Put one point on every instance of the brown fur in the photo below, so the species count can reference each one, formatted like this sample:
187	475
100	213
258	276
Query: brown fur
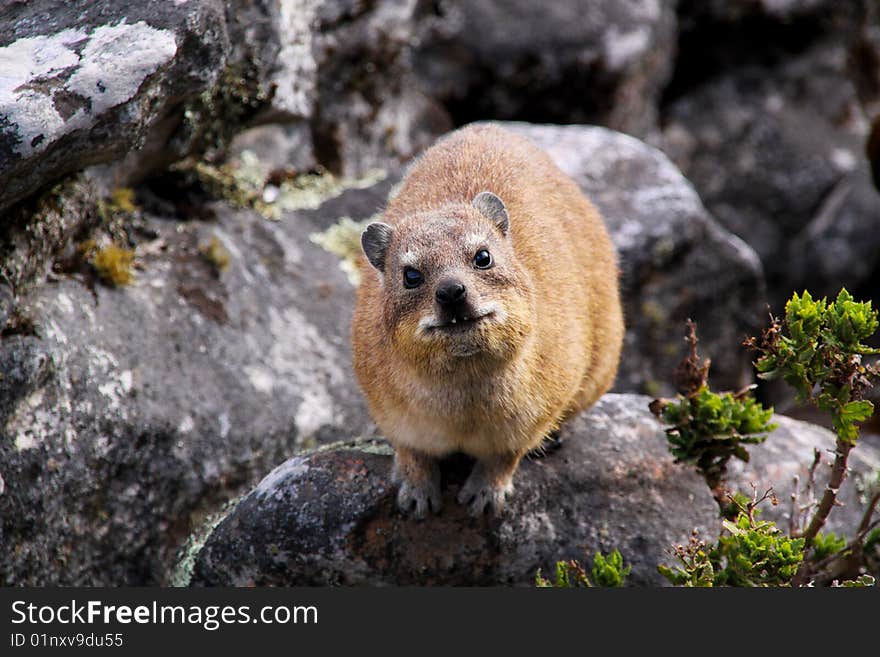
553	350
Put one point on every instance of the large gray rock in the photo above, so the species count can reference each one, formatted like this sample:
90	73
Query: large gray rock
775	12
86	82
567	61
328	517
767	115
142	84
126	413
34	232
340	72
369	107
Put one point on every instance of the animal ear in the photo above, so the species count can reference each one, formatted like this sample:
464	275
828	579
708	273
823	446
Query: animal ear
375	240
492	207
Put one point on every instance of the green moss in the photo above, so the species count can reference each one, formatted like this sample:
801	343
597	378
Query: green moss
122	200
308	191
221	112
375	446
189	551
227	182
216	254
114	265
115	212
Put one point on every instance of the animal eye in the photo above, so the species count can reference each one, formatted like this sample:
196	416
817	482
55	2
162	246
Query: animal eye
412	277
483	259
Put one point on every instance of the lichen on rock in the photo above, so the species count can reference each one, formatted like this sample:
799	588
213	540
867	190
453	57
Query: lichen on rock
343	239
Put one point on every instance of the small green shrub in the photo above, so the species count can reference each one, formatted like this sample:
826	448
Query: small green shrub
749	553
826	545
607	571
708	428
821	356
817	349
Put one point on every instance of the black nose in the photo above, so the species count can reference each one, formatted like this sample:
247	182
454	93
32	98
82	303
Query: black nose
450	292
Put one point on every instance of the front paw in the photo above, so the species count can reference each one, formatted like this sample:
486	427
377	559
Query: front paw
419	479
480	494
419	498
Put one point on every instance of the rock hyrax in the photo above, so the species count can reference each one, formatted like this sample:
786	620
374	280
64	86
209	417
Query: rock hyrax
488	312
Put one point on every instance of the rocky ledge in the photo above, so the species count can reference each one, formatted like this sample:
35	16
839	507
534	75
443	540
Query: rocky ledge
328	517
129	413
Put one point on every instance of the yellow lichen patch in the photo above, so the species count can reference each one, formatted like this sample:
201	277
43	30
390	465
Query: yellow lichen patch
122	200
343	239
114	265
215	253
246	182
308	191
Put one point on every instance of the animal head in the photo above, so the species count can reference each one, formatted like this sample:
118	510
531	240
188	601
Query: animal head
451	284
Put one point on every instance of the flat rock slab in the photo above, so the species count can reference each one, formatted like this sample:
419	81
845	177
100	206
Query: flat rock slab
328	517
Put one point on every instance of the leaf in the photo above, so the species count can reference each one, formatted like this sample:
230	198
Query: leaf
732	528
857	411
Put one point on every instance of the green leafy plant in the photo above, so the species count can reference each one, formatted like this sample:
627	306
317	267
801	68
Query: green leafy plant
696	567
708	428
826	545
749	553
569	575
817	349
607	571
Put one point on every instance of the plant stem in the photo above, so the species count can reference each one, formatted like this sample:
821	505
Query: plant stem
845	562
715	481
829	497
720	494
869	512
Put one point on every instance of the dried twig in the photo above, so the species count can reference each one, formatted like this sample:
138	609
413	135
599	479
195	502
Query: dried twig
691	373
